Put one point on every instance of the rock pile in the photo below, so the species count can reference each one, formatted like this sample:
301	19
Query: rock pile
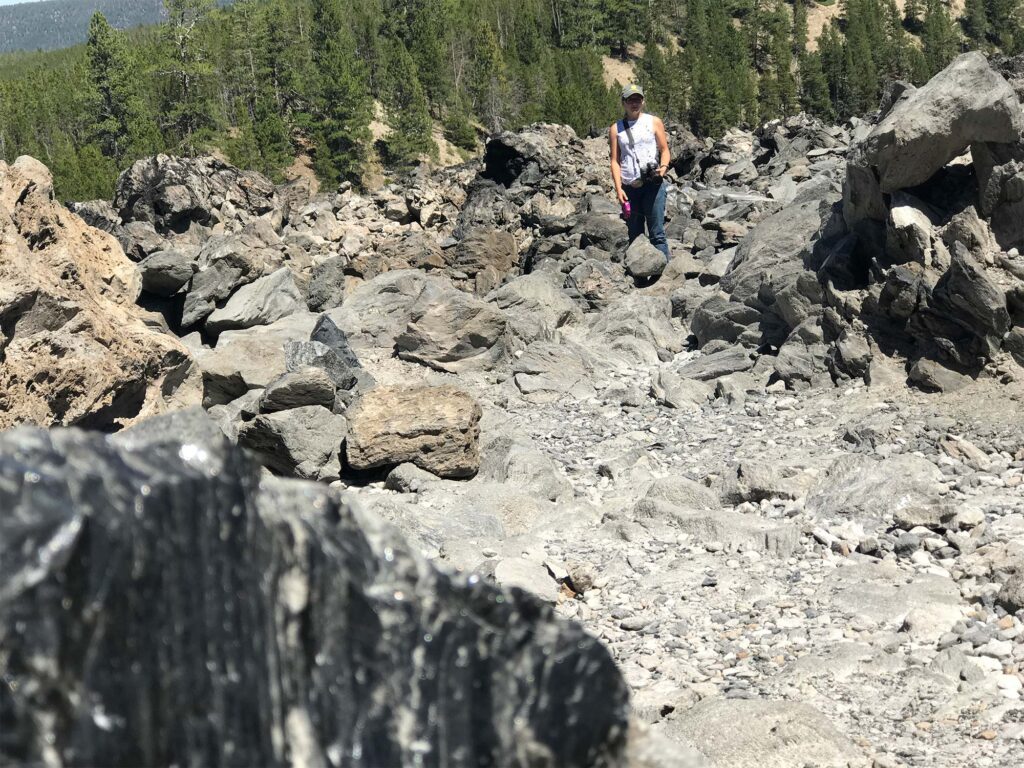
716	467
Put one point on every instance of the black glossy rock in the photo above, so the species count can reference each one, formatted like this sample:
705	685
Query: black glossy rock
160	606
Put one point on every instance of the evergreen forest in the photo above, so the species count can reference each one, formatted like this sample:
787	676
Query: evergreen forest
265	80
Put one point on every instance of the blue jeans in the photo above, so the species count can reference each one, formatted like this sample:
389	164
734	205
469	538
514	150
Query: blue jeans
648	207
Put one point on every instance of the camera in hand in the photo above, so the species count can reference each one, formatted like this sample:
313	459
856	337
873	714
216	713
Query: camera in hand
650	173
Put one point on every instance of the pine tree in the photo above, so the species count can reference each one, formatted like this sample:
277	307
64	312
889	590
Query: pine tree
814	92
575	23
342	103
429	27
975	22
799	27
120	123
407	110
186	106
488	84
938	37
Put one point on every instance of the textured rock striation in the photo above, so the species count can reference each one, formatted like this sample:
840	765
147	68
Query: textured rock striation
160	605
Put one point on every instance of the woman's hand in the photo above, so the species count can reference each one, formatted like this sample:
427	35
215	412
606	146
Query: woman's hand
662	170
621	194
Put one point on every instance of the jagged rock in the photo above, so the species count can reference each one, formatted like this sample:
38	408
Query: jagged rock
933	377
598	283
327	285
536	150
305	386
535	305
164	273
303	442
173	192
735	531
168	529
486	256
643	260
764	734
435	428
967	294
546	371
637	328
967	103
863	487
674	391
377	311
262	302
903	292
416	250
850	357
225	263
457	333
777	251
968	228
74	349
250	358
603	231
725	320
909	231
801	361
711	366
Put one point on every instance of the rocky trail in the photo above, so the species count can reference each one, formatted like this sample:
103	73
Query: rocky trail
780	479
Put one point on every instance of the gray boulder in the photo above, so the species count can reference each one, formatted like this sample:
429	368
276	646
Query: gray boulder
725	320
597	283
302	442
967	103
872	489
456	333
164	273
379	310
535	305
716	364
547	370
249	358
305	605
305	386
260	303
638	329
672	390
733	733
643	261
485	256
327	285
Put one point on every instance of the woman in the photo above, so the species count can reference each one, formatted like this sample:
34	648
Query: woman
640	160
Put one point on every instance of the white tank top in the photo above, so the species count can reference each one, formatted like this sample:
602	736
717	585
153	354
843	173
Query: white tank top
633	159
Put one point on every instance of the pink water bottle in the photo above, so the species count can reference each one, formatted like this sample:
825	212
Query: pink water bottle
627	209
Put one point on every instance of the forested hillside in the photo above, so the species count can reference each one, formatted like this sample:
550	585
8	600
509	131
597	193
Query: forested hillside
265	79
60	23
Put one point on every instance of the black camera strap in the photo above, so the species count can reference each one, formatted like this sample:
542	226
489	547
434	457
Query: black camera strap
629	133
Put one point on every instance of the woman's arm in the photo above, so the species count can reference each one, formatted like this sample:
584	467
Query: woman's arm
613	141
662	140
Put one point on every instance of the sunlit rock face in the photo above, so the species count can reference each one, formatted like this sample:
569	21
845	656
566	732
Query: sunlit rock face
162	604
